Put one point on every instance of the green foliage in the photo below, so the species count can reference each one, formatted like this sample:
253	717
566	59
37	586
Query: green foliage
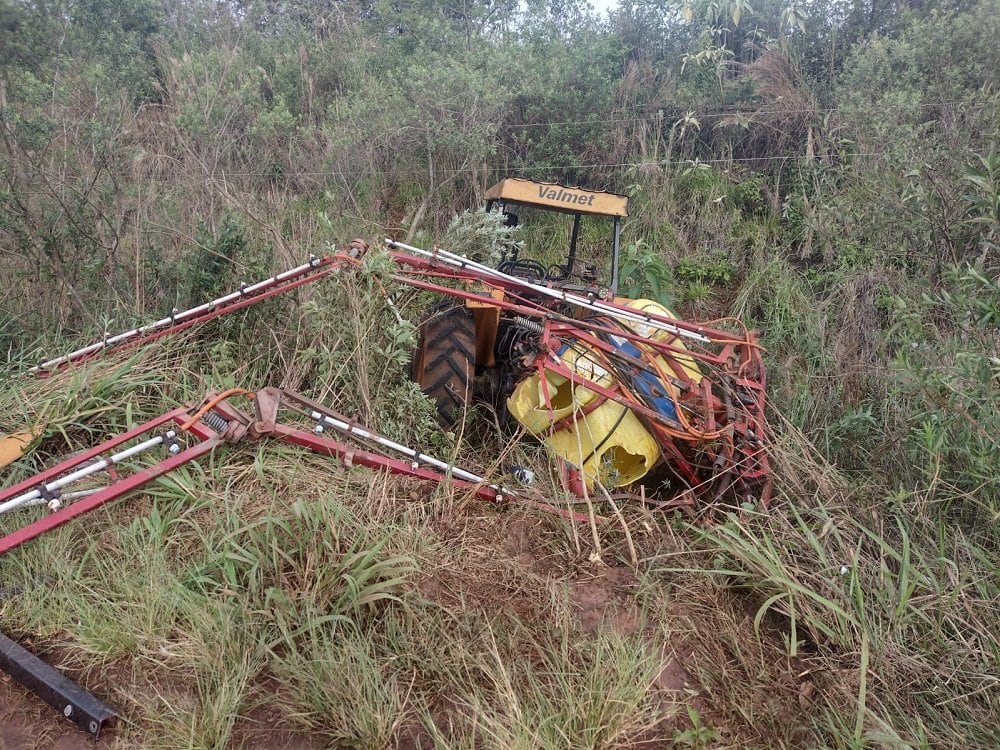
748	197
643	274
983	178
482	236
559	84
208	270
934	59
698	735
301	572
698	181
826	172
121	35
866	582
594	698
948	369
712	270
356	351
364	710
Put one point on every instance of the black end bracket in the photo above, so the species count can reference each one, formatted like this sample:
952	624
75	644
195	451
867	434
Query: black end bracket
64	695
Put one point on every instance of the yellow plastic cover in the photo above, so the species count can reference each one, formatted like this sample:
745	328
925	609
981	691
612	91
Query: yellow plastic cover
658	334
609	444
12	447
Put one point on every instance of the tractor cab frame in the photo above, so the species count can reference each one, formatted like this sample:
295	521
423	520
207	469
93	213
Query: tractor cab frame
511	193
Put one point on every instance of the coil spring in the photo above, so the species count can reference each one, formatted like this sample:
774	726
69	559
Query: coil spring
528	324
216	422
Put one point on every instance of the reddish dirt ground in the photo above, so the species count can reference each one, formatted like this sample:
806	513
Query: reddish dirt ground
600	597
26	723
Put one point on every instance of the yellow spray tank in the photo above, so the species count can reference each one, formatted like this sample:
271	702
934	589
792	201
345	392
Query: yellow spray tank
603	438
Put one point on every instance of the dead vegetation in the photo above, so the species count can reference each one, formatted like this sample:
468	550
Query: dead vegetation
835	186
266	597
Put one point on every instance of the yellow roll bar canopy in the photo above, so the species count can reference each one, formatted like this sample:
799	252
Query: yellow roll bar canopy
557	197
576	201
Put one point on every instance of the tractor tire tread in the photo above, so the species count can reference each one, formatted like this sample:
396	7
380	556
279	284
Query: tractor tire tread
445	363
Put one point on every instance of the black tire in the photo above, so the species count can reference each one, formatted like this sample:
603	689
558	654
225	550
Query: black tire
444	363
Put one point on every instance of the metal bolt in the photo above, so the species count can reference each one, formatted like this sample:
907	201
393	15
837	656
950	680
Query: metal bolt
318	429
68	711
415	465
174	449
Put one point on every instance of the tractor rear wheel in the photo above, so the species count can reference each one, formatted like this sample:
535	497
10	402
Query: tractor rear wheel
444	363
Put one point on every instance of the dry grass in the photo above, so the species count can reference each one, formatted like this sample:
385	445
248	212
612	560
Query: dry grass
266	597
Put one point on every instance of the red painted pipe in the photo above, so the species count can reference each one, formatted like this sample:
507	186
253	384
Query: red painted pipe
91	453
327	447
106	495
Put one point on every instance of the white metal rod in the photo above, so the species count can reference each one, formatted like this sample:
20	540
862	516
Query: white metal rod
86	471
179	317
458	261
575	299
420	458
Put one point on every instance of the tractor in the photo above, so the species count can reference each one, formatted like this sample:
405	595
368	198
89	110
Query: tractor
469	351
614	387
617	389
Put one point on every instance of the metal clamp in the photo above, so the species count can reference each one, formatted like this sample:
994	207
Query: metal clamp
52	498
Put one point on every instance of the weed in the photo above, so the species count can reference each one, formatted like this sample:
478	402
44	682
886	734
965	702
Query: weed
698	735
644	275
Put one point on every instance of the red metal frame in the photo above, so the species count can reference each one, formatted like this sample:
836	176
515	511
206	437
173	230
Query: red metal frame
428	267
324	267
207	442
196	320
91	453
351	455
736	360
715	422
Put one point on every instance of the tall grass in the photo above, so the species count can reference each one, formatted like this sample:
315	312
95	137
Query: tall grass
369	611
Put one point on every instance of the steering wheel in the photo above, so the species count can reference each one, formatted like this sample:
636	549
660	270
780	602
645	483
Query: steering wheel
523	268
